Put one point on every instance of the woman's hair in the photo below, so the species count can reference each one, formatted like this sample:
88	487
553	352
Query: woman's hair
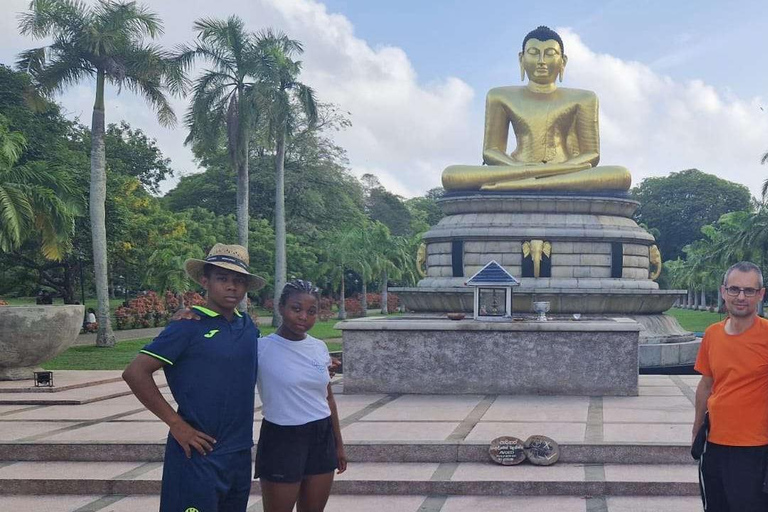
298	286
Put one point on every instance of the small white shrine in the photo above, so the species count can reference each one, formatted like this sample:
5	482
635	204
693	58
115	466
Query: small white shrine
493	292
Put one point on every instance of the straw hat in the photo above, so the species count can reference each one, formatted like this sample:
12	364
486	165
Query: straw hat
230	257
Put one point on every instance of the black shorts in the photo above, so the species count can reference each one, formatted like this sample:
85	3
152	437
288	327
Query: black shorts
731	478
287	454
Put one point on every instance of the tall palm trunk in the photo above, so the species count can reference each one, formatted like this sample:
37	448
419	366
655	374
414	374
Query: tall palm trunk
98	196
342	303
384	297
280	257
242	201
364	300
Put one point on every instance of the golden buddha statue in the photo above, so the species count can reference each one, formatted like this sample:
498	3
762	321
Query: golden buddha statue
556	129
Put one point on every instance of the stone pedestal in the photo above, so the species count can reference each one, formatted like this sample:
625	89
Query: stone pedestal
32	335
600	259
435	356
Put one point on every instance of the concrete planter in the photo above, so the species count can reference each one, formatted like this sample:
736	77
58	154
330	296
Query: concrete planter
32	335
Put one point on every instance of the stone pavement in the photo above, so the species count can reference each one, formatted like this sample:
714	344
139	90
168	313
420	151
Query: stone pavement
93	447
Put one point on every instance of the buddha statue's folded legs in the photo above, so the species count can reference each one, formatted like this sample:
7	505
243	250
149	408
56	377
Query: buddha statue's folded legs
500	177
609	177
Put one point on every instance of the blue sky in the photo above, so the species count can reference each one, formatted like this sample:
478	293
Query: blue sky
681	84
710	40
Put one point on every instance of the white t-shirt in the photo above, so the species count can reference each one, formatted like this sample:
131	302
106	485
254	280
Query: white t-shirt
91	318
293	380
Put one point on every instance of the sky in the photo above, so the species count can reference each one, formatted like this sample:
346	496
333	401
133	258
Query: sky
681	84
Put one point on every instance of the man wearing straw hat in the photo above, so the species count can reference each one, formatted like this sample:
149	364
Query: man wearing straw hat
210	366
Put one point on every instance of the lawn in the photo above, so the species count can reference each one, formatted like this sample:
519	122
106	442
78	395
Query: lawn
695	321
118	357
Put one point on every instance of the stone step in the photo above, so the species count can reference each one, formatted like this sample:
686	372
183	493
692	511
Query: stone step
363	503
358	451
85	390
446	479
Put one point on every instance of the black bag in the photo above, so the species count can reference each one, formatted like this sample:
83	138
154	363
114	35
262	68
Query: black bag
697	448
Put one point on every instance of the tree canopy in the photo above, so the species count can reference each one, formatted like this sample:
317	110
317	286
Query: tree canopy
679	205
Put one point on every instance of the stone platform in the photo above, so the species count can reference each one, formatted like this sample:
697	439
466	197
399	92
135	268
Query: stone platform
430	355
407	453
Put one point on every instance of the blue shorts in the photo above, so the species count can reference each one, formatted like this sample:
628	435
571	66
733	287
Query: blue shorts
211	483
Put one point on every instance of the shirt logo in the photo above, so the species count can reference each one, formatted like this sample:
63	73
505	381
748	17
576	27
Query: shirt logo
210	334
191	509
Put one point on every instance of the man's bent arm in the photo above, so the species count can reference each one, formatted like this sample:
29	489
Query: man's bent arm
703	390
138	375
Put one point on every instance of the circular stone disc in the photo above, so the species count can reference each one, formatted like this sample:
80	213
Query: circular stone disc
541	450
507	451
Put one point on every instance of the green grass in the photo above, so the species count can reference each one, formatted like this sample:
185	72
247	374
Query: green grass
118	357
696	321
97	358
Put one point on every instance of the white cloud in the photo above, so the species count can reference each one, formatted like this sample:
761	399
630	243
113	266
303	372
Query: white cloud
403	131
406	131
654	125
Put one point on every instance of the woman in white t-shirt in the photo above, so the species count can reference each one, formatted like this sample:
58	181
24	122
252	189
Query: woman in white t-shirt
300	442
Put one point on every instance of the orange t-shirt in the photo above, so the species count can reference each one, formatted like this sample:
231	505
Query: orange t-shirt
738	405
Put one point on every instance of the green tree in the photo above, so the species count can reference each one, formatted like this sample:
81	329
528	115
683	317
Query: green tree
425	210
132	153
320	193
678	206
105	41
33	199
282	100
385	207
165	269
334	263
224	99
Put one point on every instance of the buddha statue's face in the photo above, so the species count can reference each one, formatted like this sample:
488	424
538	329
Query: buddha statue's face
542	60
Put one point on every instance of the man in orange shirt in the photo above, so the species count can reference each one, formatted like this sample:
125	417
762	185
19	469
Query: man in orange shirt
733	362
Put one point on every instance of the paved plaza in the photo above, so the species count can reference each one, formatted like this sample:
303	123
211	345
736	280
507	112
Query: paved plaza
91	446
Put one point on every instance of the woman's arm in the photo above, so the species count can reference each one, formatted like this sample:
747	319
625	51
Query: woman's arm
341	454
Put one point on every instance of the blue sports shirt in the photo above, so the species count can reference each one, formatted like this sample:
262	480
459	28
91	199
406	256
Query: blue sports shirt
211	369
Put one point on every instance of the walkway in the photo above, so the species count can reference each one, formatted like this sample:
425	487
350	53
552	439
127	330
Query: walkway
91	446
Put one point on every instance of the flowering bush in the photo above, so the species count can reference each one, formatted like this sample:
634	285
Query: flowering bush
354	307
147	310
190	299
393	301
374	301
325	311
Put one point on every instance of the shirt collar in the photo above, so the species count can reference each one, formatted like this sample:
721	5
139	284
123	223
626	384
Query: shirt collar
211	313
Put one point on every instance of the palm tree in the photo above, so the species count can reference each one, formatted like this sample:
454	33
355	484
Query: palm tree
165	268
106	42
224	98
33	198
335	263
282	98
399	262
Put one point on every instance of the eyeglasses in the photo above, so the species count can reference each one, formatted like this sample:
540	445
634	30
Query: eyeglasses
734	291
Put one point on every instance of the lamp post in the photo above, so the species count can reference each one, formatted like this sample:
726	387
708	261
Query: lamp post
82	286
